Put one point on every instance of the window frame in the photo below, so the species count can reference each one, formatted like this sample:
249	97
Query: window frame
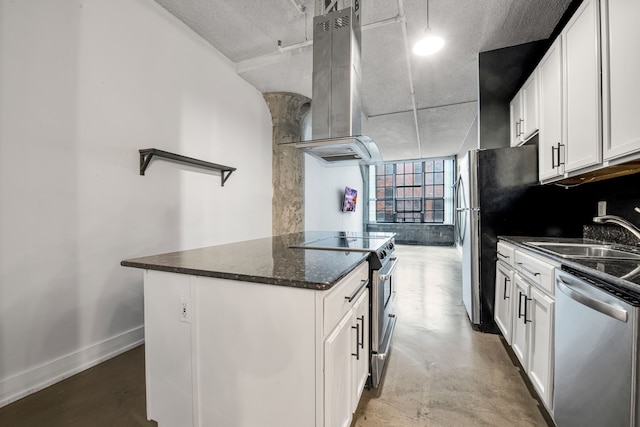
412	192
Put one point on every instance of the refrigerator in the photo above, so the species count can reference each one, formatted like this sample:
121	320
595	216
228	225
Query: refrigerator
493	198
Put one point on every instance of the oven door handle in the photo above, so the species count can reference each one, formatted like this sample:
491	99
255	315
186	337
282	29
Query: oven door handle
389	270
387	339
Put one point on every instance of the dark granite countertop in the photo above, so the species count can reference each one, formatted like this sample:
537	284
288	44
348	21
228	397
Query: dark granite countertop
623	272
270	261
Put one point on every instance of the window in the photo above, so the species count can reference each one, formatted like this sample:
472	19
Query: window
414	191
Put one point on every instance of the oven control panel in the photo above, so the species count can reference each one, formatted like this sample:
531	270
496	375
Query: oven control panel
379	257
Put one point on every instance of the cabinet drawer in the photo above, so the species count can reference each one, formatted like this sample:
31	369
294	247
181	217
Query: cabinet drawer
505	253
337	301
537	271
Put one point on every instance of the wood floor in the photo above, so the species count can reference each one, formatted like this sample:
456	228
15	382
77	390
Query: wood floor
440	373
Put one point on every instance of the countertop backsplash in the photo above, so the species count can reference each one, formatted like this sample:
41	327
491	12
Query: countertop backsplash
610	233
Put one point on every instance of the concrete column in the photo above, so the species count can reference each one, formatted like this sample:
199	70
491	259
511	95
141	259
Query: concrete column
287	110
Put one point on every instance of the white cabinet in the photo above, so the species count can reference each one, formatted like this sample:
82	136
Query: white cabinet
551	142
531	315
361	344
515	114
621	84
580	48
346	361
520	340
524	111
254	354
541	344
590	92
538	271
530	108
504	293
533	319
346	349
504	289
338	368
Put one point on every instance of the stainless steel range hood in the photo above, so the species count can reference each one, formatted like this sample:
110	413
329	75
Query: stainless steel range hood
335	106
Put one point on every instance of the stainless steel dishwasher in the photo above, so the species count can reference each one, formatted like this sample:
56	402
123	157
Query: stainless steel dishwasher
596	346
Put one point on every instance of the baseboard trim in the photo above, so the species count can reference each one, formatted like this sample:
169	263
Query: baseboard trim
31	381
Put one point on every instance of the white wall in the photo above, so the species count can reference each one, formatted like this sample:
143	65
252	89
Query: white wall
324	191
84	85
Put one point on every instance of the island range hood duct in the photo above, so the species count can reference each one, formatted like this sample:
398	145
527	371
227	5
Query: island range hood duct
335	106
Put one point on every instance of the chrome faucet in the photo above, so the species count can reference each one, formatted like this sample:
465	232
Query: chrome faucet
604	219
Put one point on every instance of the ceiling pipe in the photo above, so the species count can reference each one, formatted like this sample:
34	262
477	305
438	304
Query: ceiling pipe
407	51
271	58
299	7
432	107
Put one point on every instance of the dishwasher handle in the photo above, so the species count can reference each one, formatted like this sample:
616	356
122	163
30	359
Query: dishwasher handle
566	287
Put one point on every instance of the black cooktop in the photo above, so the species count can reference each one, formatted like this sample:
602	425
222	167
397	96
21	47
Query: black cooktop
347	241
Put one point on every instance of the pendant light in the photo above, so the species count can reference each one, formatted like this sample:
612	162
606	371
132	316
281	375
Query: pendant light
430	43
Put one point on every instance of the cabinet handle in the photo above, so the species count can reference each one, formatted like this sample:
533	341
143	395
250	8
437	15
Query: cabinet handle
357	353
354	295
361	318
553	157
560	163
533	273
520	313
520	304
517	131
503	256
504	294
525	309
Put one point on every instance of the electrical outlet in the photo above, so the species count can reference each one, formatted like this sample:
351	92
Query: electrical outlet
185	310
602	208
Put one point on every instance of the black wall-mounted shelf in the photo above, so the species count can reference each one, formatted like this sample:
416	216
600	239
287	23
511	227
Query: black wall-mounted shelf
147	153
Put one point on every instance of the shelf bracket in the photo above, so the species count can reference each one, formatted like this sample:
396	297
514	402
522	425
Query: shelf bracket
147	153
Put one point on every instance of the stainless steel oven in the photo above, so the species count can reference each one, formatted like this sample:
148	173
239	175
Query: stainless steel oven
383	319
382	263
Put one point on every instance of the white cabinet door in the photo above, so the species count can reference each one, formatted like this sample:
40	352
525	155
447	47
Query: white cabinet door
550	139
515	112
520	328
541	345
582	87
337	374
621	71
503	296
361	346
530	106
346	347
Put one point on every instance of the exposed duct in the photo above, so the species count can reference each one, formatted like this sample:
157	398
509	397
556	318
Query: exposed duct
336	104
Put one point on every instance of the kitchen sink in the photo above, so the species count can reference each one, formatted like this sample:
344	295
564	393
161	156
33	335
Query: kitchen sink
586	250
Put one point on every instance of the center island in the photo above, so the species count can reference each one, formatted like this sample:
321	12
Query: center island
255	333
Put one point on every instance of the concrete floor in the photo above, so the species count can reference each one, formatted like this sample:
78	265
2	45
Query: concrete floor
440	373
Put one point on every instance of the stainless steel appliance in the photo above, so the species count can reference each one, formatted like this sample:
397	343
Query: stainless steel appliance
382	263
336	111
490	190
596	352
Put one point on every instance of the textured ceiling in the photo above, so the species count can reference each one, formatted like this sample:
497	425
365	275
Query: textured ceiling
445	86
